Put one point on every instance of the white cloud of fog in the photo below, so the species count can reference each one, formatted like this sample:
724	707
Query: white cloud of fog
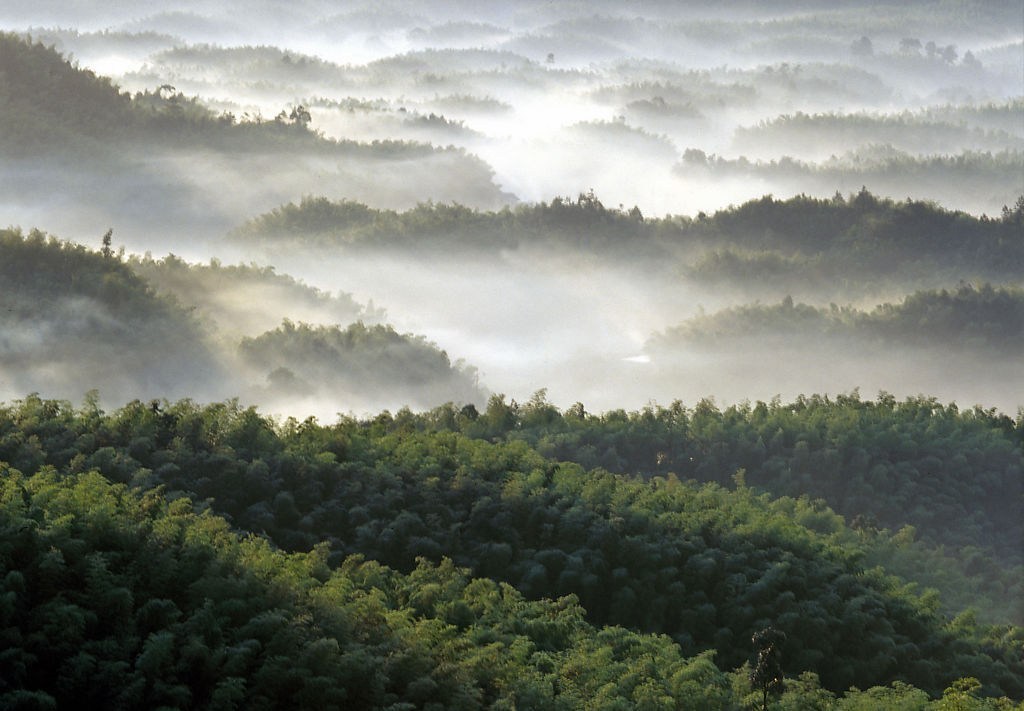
560	128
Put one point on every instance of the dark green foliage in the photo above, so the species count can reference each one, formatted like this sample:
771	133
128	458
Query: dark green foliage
37	86
49	103
955	476
582	223
934	492
706	565
111	598
856	246
867	231
38	266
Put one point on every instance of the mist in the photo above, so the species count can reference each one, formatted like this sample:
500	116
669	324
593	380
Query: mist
678	112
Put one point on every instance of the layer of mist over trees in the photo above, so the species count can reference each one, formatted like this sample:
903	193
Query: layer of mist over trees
142	328
546	98
223	295
71	315
109	153
433	355
984	318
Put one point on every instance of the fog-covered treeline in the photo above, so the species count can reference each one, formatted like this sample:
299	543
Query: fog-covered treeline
223	295
114	157
546	101
72	315
142	328
859	234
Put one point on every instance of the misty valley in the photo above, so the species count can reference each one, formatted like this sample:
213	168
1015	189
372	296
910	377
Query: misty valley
644	355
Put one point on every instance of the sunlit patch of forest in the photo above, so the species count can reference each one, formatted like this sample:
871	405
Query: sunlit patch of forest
471	510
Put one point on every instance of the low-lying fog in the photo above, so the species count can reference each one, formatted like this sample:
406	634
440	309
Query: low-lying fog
676	108
581	331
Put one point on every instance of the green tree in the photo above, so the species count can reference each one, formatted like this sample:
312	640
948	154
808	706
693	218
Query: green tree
766	676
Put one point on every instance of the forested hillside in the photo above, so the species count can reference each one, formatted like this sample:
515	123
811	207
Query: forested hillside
71	315
704	564
857	236
927	457
165	606
976	319
49	102
808	136
112	597
358	363
223	295
119	157
142	328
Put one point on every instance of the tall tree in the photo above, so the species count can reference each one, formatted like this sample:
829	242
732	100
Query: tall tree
767	672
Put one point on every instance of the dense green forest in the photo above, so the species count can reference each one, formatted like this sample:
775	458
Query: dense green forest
112	598
99	501
838	449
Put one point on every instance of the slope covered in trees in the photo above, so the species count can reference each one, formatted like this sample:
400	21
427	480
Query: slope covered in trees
955	476
50	103
703	564
115	597
122	158
46	101
428	227
812	553
820	135
70	315
75	319
359	363
865	234
976	177
223	295
984	319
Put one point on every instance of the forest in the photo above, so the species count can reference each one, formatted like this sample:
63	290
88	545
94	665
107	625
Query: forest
658	355
861	234
446	541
